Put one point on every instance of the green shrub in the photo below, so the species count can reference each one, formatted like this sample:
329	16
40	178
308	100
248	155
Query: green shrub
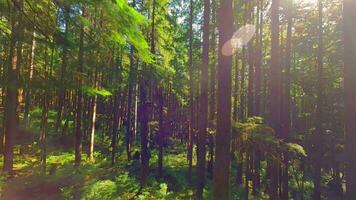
105	190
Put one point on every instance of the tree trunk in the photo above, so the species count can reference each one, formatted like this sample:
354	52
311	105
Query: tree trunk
62	89
115	126
285	113
236	89
30	76
203	108
144	133
42	142
251	70
212	100
274	100
258	63
350	95
13	68
319	109
93	119
257	103
161	132
242	85
129	105
223	153
79	110
191	95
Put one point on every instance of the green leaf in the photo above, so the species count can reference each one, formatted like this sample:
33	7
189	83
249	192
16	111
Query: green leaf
90	91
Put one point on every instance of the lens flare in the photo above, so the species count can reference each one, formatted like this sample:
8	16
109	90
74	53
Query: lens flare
240	38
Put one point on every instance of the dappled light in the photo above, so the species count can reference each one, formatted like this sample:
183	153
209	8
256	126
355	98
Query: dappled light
178	99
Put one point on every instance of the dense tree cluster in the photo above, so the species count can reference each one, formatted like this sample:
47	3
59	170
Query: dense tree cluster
259	93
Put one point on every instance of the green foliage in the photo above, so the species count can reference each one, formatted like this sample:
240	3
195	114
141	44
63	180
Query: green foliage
105	189
90	91
256	136
67	192
295	149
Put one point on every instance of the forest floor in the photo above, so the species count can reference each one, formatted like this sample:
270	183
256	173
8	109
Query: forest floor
94	180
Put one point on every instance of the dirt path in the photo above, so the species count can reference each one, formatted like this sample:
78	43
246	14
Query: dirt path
41	188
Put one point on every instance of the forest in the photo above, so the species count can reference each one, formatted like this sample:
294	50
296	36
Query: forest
178	99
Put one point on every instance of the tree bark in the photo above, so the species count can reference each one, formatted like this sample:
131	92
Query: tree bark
274	96
93	118
144	133
319	109
161	132
350	95
223	153
203	108
285	115
13	70
191	95
62	89
79	107
115	126
30	76
242	86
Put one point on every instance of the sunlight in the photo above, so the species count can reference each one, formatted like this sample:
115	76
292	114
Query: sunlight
312	2
240	38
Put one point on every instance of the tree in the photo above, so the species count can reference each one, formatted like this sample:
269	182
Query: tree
79	106
13	69
285	110
203	100
223	131
350	95
319	107
274	95
191	93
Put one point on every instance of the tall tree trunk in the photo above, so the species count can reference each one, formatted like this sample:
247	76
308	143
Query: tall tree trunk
191	94
236	89
161	132
93	118
212	100
257	103
115	126
43	125
203	100
285	113
13	70
223	136
242	86
62	90
30	76
129	105
44	117
274	96
144	132
258	63
251	68
136	112
319	107
130	86
79	107
145	116
350	95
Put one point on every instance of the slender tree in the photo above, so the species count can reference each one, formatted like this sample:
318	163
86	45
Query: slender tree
319	108
274	96
203	100
285	110
191	93
349	15
212	98
79	100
